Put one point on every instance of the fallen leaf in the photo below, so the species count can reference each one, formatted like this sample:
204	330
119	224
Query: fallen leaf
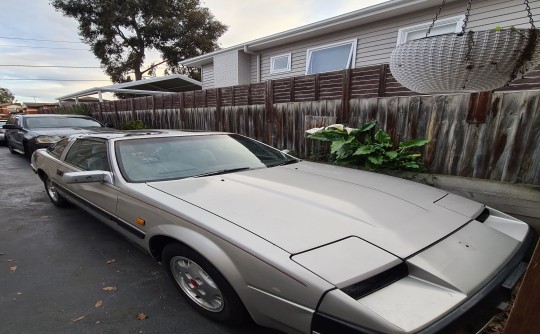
10	260
19	293
2	253
110	288
79	318
98	322
141	316
111	261
12	269
99	303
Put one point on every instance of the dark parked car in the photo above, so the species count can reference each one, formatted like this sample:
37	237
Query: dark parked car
2	132
26	133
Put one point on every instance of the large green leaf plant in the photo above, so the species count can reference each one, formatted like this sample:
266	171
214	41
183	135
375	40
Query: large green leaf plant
360	147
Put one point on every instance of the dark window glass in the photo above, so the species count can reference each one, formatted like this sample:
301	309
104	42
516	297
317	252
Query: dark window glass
88	154
60	122
57	148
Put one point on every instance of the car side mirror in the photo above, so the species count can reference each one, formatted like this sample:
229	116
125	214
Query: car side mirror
10	127
90	176
109	125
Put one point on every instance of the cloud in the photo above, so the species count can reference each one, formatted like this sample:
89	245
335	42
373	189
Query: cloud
31	19
249	20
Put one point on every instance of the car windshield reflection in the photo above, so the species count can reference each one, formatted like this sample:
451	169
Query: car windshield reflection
170	158
60	122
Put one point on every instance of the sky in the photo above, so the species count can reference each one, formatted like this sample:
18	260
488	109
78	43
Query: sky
38	39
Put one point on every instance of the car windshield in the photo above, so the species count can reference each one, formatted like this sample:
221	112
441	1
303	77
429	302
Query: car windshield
60	122
169	158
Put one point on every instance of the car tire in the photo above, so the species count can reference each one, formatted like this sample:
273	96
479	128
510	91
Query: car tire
202	285
10	147
53	194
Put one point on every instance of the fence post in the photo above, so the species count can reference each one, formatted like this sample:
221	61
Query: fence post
291	97
479	106
316	84
100	110
119	124
219	116
181	114
133	112
382	80
345	97
205	98
269	111
154	112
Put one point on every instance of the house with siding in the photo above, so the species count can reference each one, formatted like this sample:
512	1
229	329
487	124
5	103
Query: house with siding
362	38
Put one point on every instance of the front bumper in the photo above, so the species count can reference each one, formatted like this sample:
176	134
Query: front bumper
469	317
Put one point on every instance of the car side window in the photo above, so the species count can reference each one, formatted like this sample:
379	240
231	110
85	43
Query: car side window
88	154
56	149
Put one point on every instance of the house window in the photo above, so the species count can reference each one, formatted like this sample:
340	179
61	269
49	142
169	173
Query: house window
442	26
281	63
332	57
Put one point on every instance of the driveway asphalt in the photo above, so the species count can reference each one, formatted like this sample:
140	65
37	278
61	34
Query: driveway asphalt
56	263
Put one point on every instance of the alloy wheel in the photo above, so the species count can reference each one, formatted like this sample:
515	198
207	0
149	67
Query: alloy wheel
197	284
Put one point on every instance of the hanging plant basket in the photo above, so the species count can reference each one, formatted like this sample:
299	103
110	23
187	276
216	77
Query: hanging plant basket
471	62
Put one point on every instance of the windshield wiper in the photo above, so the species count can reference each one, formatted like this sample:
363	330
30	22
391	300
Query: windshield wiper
288	162
222	171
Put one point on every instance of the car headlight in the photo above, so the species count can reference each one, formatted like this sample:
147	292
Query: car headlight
47	139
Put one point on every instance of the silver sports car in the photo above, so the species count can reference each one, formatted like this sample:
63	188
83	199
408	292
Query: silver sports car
247	231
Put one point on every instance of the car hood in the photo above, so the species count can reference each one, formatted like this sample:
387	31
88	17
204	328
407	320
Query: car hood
306	205
64	132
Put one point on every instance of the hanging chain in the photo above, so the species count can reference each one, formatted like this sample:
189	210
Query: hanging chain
435	18
531	21
466	19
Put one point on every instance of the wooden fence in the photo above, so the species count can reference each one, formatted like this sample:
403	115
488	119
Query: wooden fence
488	135
365	82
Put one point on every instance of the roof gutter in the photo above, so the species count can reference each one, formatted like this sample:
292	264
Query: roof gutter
113	90
258	54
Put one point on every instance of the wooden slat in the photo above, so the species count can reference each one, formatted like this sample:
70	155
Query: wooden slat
524	317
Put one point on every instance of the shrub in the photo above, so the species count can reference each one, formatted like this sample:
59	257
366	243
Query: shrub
358	147
133	125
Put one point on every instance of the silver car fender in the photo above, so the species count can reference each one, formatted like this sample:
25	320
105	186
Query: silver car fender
243	270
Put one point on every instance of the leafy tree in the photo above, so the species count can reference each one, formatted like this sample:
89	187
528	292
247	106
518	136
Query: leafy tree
121	32
6	96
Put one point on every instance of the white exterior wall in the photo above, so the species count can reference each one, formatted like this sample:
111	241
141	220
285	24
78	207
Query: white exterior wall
207	76
225	69
244	68
377	40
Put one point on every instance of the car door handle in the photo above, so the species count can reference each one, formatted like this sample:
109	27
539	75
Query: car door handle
59	172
